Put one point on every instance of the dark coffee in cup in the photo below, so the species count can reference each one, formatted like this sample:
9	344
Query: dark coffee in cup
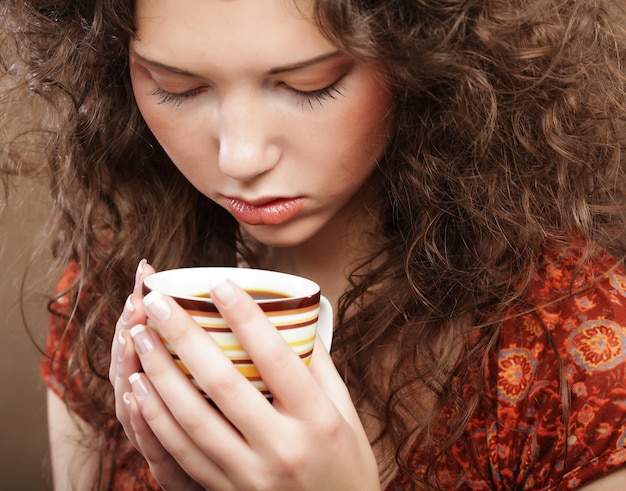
255	294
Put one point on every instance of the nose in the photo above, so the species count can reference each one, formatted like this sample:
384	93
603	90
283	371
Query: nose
247	148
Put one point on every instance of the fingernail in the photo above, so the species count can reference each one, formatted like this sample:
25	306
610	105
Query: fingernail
139	388
157	306
224	292
143	343
122	346
139	271
127	313
126	398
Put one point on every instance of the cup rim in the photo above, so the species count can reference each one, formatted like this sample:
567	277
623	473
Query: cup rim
191	302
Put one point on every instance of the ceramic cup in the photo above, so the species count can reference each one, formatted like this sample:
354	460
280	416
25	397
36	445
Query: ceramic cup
292	303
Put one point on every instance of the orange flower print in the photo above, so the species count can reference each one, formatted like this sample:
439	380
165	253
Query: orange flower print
579	389
550	319
586	415
584	303
618	457
529	454
555	273
598	345
603	429
618	282
517	369
497	452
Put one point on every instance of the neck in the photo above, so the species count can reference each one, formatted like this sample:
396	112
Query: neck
329	257
328	269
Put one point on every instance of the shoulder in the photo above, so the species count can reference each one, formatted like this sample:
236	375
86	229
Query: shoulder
570	270
60	330
560	372
59	366
62	295
575	310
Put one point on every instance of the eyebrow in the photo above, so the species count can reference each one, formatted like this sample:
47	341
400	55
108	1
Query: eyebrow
163	66
304	64
273	71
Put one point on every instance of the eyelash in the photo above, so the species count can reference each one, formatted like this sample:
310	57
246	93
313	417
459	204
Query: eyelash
165	97
306	97
317	96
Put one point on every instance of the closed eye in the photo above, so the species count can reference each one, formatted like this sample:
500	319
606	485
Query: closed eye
317	96
176	99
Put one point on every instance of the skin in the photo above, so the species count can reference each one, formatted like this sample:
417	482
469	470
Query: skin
172	451
73	465
310	437
241	130
265	109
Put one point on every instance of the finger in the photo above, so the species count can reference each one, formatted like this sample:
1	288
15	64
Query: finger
214	372
132	315
126	424
188	408
143	271
325	373
115	345
164	468
323	370
174	444
123	415
127	363
282	370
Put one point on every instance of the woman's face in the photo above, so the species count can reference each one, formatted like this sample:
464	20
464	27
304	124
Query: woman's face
260	112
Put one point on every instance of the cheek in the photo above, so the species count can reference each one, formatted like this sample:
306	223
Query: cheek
148	109
159	118
364	130
173	132
373	118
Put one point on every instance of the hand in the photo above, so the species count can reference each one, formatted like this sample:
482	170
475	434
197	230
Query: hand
124	361
309	438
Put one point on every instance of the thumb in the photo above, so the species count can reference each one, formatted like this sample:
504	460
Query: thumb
326	375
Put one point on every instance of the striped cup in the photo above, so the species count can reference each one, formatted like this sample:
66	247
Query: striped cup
292	303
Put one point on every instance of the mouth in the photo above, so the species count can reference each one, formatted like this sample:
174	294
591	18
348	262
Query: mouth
270	211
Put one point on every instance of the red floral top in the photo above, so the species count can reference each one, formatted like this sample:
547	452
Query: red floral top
516	440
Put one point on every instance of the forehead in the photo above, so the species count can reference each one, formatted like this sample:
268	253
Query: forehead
229	33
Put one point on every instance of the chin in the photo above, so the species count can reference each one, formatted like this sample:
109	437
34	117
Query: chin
280	237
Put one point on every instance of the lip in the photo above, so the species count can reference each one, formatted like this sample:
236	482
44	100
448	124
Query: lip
265	211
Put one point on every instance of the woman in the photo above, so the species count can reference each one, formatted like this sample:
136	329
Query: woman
449	172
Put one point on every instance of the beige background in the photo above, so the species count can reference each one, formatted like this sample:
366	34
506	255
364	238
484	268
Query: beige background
23	434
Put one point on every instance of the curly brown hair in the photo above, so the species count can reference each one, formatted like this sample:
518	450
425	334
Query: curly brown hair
508	133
